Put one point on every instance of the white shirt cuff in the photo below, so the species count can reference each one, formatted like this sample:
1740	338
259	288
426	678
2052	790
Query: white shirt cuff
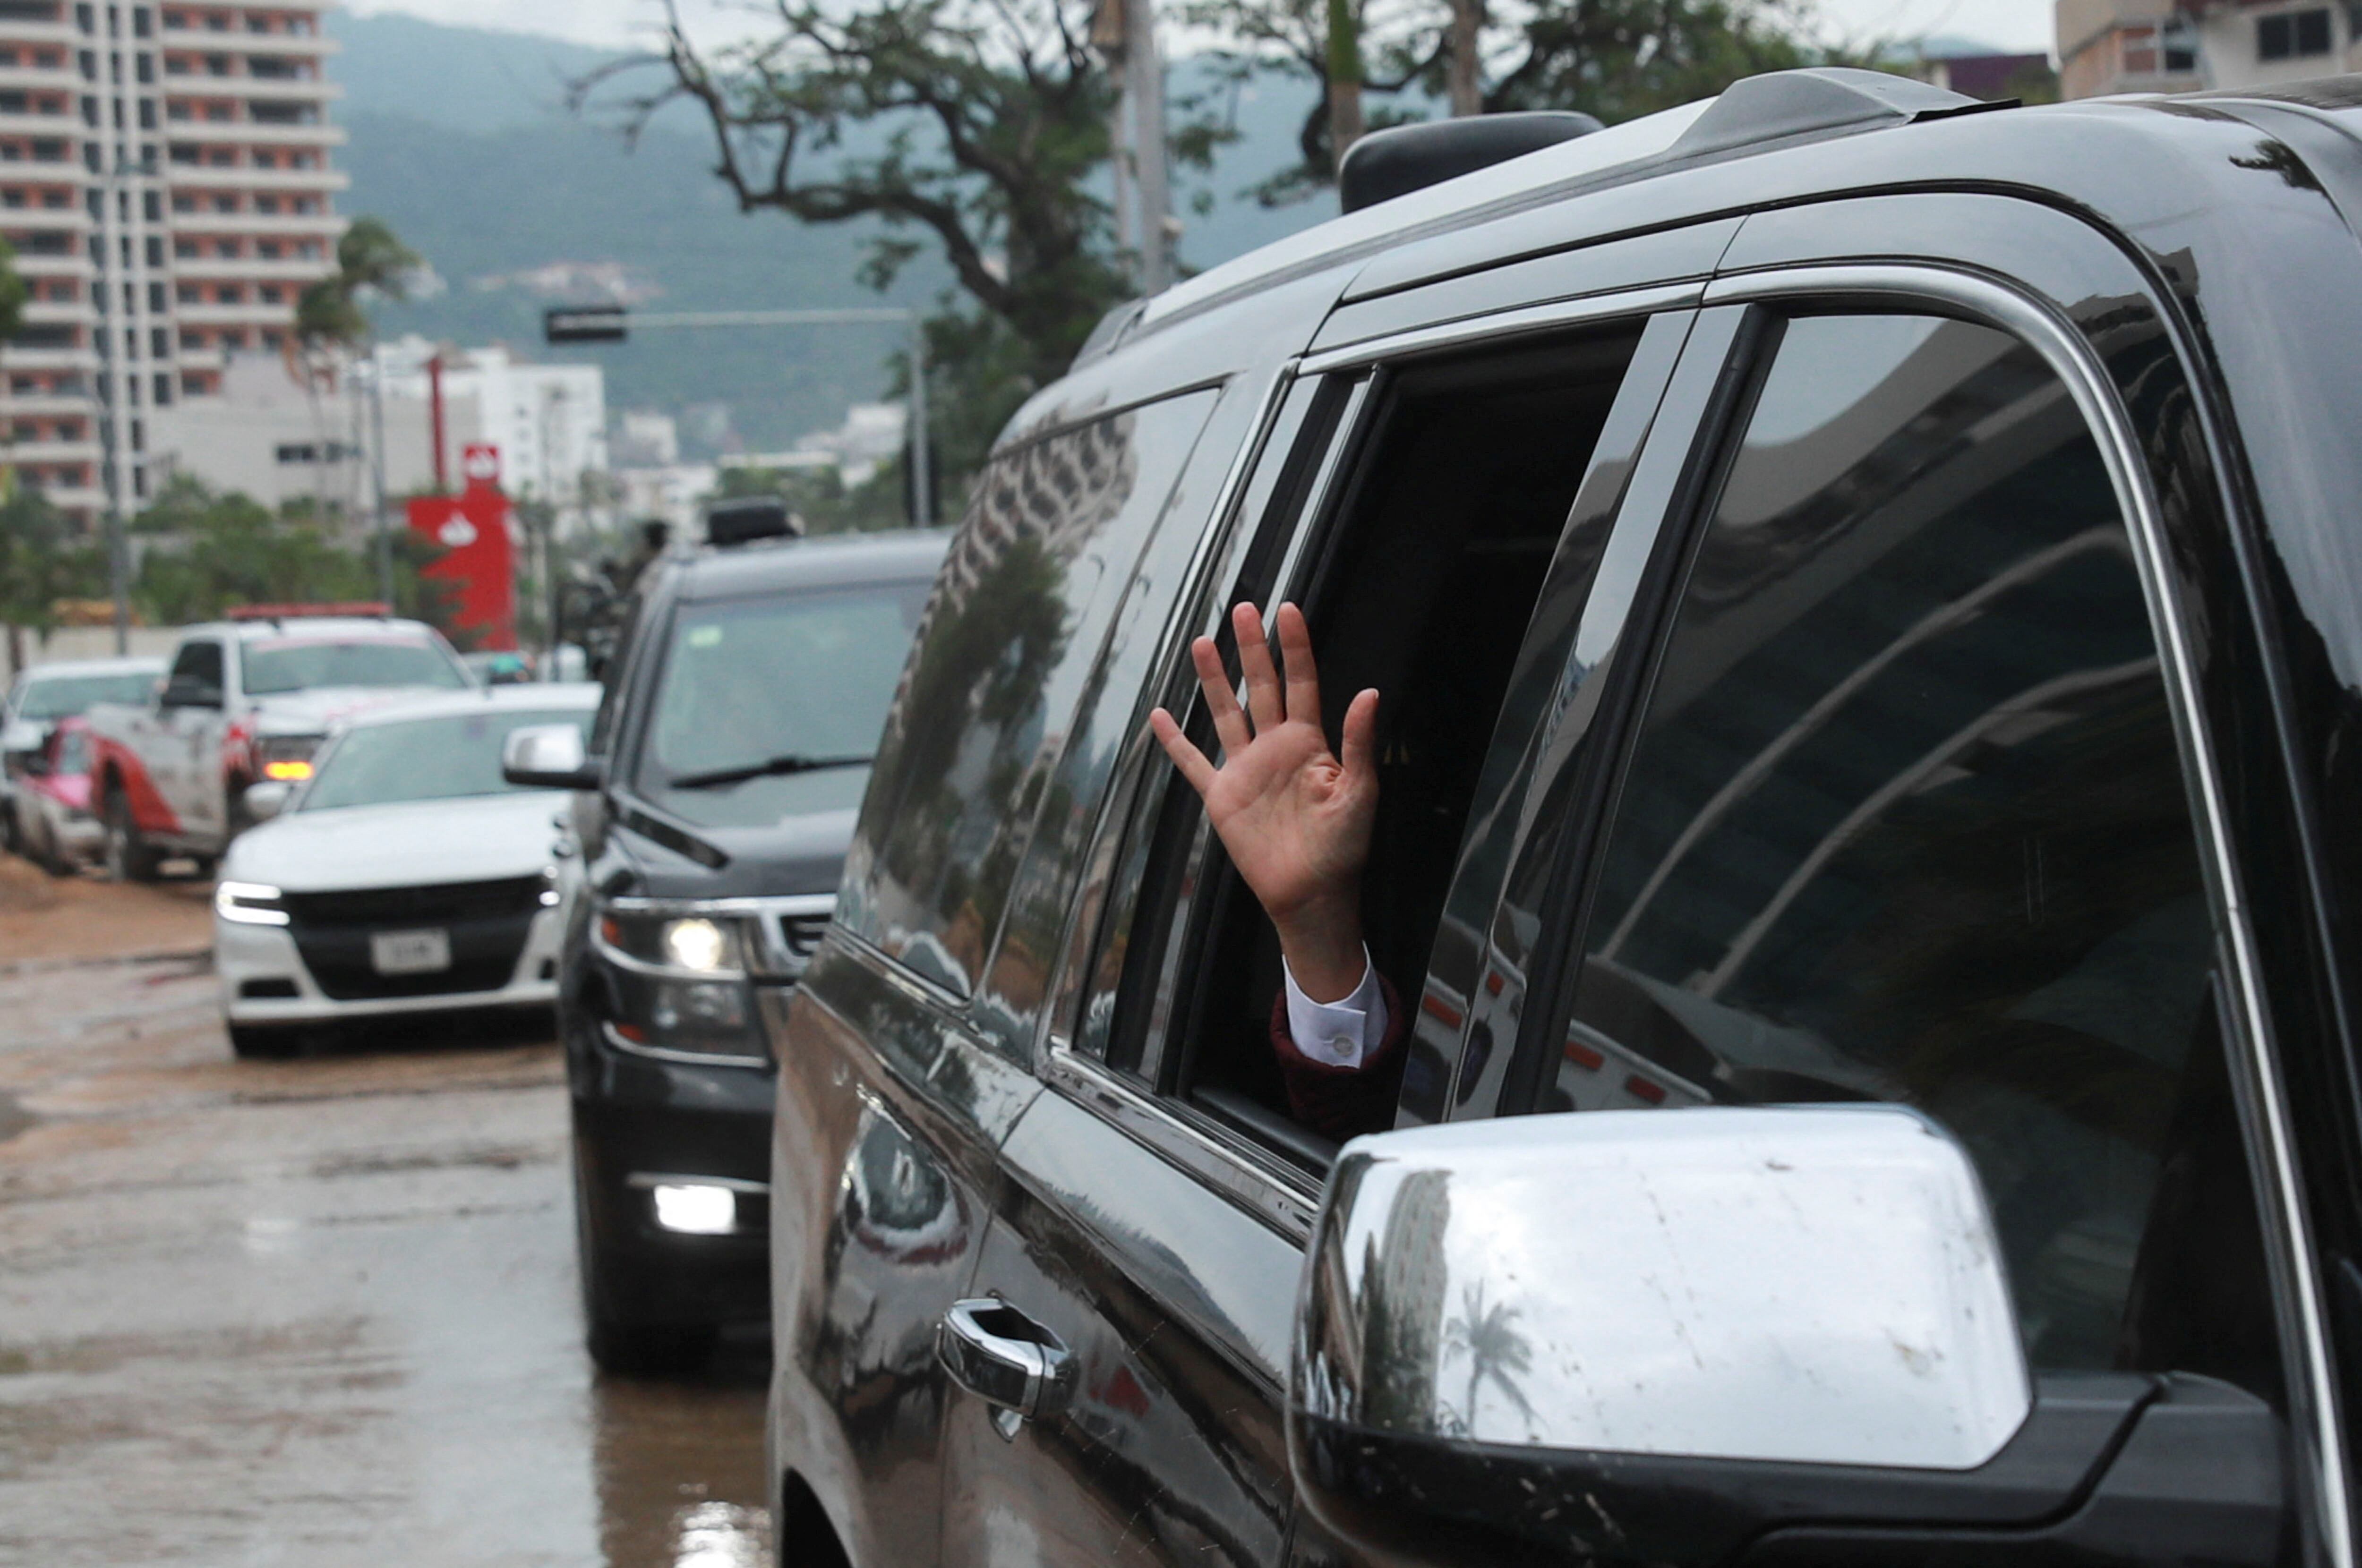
1340	1033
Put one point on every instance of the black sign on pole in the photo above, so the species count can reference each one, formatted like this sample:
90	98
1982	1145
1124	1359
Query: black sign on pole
584	324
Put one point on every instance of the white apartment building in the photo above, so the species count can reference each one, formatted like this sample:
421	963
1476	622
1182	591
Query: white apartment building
263	434
164	181
2181	46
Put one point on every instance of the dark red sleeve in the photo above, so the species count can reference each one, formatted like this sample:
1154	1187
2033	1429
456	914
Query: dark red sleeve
1343	1102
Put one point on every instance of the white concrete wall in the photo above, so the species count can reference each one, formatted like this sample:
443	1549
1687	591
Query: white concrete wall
2227	42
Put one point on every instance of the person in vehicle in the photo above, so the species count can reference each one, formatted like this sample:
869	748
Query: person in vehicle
1296	818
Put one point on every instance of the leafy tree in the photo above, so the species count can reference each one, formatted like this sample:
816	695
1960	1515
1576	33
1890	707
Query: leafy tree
822	501
210	551
43	560
979	128
1614	59
13	292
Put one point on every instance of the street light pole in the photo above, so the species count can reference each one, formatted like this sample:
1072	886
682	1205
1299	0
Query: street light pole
377	474
111	394
612	323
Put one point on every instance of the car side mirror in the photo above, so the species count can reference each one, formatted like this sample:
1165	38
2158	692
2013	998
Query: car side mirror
267	799
1628	1337
548	757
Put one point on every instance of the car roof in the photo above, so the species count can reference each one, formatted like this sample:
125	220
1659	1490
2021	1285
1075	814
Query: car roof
767	566
582	695
317	626
135	664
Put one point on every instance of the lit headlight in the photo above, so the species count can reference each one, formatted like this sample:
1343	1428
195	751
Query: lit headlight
249	903
698	944
287	758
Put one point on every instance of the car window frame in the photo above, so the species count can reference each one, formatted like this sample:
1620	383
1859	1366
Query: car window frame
1822	286
1280	1194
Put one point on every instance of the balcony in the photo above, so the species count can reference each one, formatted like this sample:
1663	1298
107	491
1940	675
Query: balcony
251	269
60	78
249	314
71	405
18	357
49	127
83	451
248	133
191	179
325	226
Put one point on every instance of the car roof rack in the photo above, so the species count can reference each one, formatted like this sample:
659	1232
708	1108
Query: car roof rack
1401	159
355	610
1817	101
742	519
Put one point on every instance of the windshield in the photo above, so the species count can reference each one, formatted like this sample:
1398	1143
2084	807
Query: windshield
749	681
272	667
424	759
63	696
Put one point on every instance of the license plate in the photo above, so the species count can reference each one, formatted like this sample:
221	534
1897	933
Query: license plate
410	951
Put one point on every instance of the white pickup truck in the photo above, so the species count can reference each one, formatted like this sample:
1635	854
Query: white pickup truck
245	700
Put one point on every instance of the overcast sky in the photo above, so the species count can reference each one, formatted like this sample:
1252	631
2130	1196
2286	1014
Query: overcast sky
2014	25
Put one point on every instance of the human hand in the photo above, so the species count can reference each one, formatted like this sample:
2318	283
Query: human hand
1295	817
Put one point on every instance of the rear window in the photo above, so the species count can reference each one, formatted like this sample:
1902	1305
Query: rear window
445	757
63	696
299	665
769	708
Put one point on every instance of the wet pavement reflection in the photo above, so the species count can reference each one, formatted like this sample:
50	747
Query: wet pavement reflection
317	1312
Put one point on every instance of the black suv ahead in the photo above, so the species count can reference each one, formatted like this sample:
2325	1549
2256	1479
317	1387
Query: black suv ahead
1867	591
740	716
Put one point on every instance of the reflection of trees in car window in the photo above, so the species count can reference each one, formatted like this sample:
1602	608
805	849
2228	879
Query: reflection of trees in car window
62	697
1002	650
1906	818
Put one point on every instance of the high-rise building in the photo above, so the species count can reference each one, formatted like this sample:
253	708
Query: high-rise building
2179	46
164	180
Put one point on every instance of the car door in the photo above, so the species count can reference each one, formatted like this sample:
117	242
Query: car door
1155	1203
897	1086
174	729
1893	788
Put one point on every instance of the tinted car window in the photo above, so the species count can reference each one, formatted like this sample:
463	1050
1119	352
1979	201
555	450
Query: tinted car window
272	667
1905	822
424	759
199	663
1019	614
798	681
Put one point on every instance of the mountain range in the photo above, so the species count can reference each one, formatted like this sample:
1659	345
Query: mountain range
463	141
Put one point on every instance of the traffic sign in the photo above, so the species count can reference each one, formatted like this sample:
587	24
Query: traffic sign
584	324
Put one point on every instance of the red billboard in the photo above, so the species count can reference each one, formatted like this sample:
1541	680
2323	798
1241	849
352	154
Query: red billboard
479	556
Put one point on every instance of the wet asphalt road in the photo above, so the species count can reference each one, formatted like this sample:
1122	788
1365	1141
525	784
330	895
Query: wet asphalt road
318	1312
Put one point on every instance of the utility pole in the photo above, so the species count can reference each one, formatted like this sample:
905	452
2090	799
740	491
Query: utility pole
1464	78
1125	32
377	475
114	390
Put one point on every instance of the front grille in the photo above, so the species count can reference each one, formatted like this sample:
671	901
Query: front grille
487	923
394	907
801	935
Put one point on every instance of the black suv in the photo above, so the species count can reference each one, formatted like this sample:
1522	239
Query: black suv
729	752
1866	588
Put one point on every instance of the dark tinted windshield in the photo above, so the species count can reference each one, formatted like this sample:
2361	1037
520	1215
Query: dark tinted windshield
362	661
746	680
424	759
63	696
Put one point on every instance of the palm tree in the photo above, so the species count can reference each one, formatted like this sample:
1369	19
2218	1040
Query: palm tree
329	321
1495	1349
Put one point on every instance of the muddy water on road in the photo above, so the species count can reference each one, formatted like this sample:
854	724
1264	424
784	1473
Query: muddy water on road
318	1312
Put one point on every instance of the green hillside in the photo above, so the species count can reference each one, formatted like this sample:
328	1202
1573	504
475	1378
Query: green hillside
461	139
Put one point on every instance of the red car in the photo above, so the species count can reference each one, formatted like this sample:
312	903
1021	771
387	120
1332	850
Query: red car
57	822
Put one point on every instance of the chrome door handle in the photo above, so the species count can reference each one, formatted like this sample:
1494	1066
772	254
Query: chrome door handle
1005	1359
